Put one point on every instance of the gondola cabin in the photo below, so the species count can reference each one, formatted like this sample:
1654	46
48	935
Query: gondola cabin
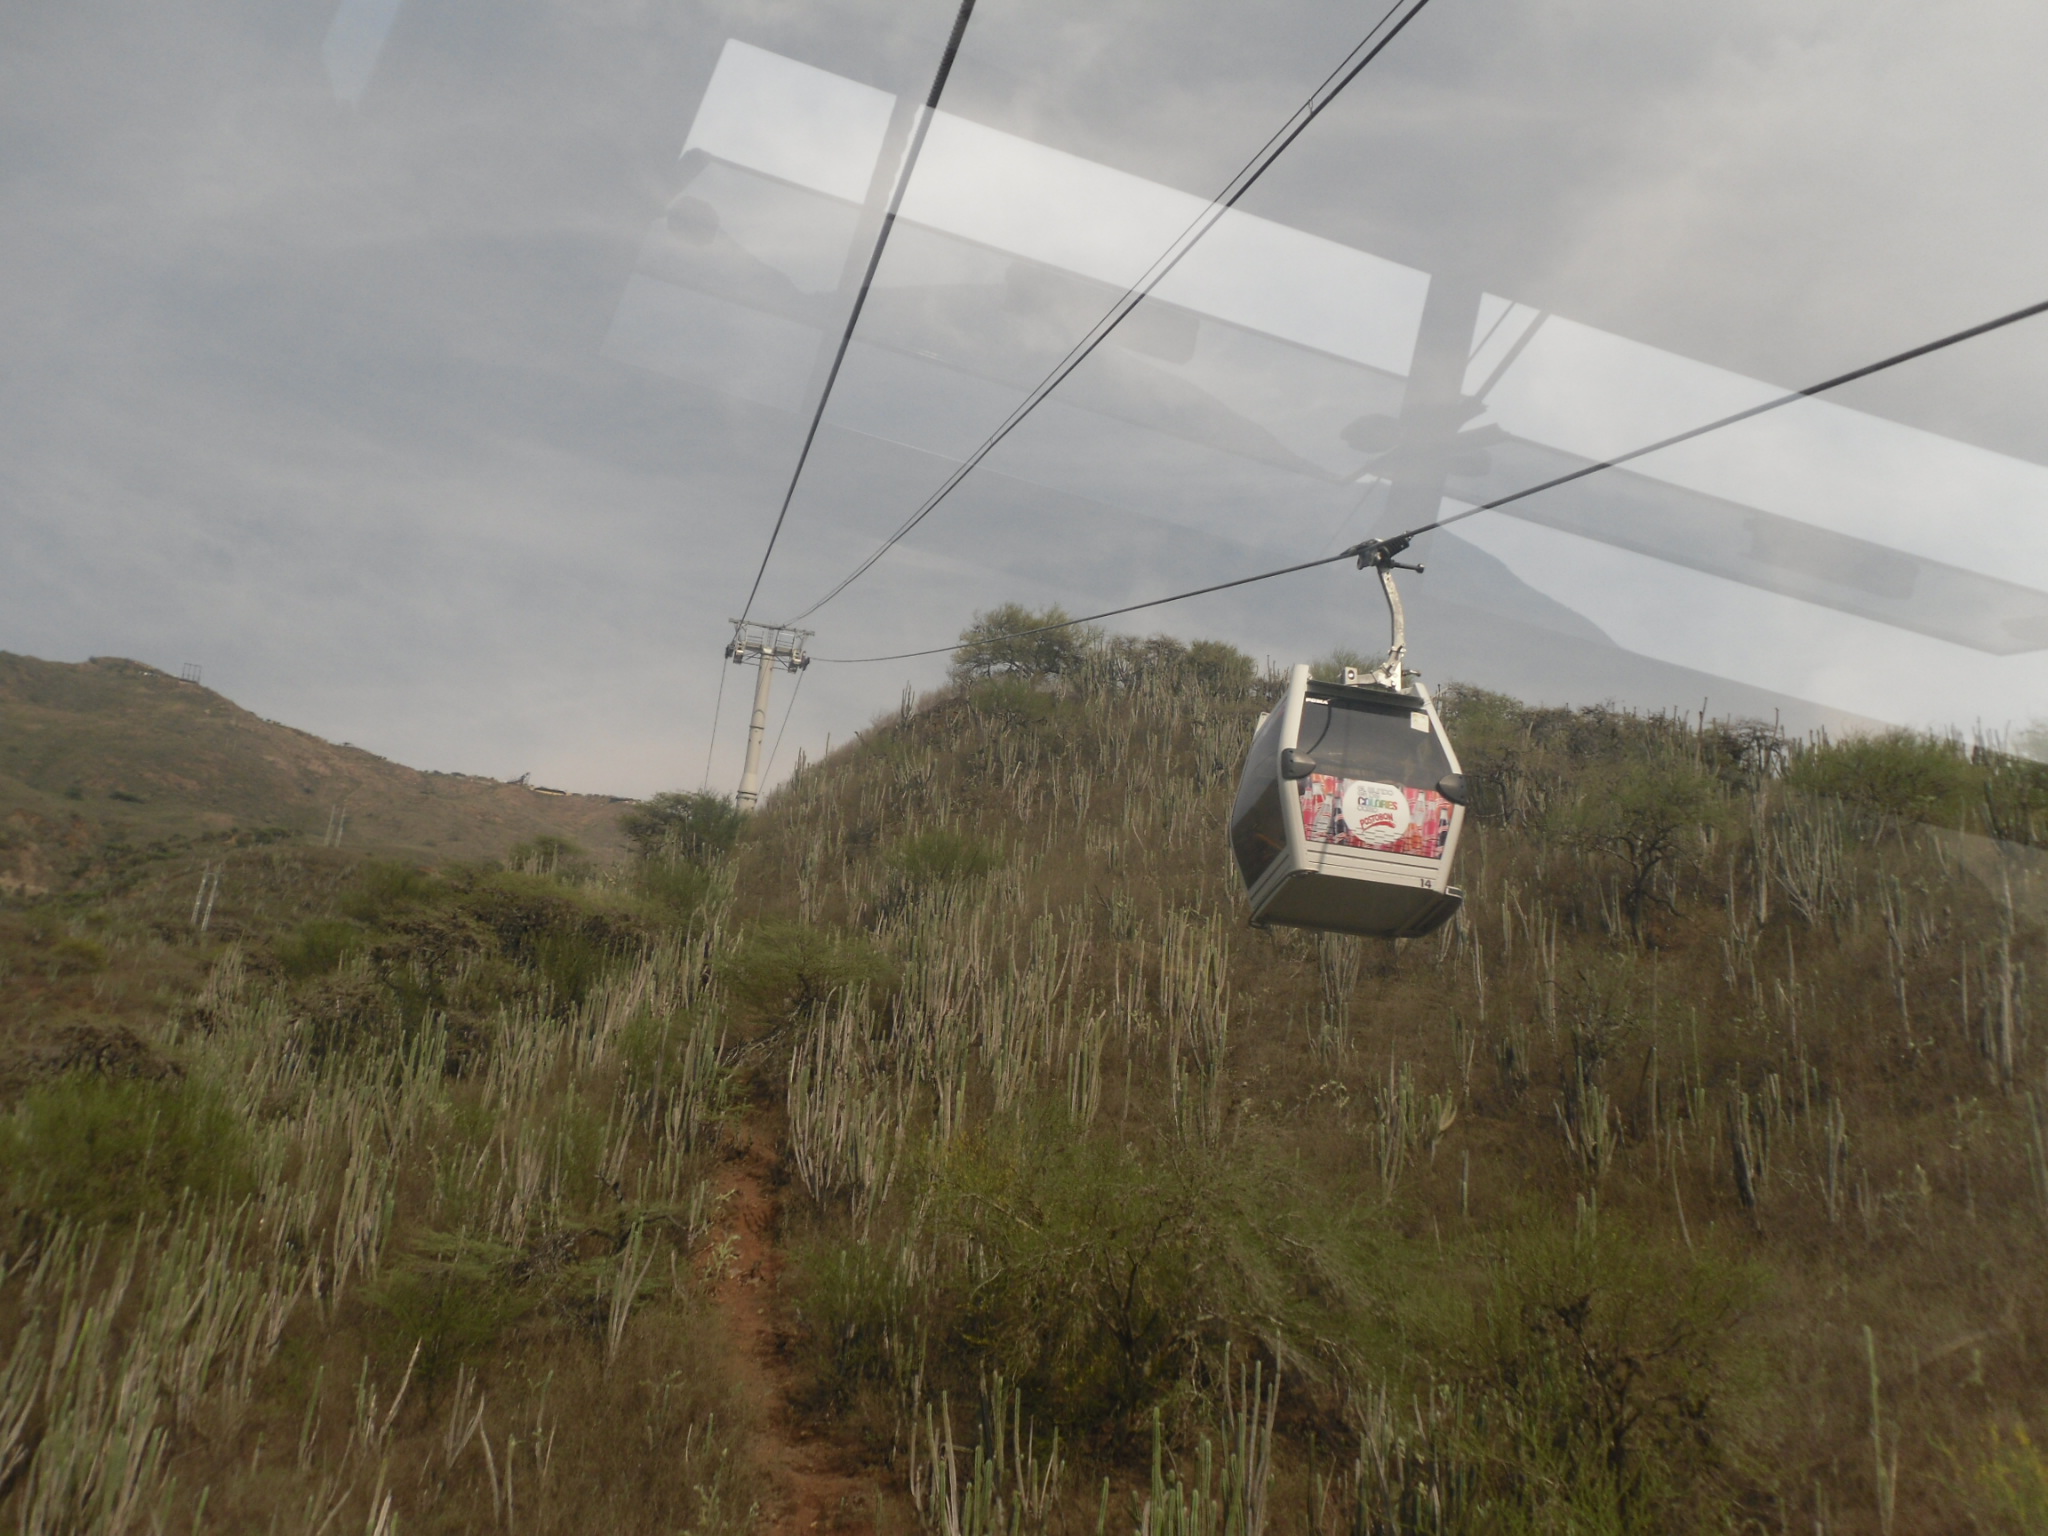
1349	810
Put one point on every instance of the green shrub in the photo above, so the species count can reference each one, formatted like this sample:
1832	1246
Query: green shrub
1012	700
453	1297
385	889
943	854
1903	775
2012	1481
345	1014
519	908
1101	1281
697	826
1330	668
1124	661
567	935
2015	792
75	956
91	1149
676	884
1223	668
485	984
1594	1396
1101	1275
856	1301
781	969
570	961
319	946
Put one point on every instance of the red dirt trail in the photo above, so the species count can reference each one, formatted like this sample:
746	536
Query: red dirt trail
815	1483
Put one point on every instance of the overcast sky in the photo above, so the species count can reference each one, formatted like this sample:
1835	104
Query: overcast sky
308	380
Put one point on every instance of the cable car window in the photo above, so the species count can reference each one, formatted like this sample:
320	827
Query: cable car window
1361	741
1258	824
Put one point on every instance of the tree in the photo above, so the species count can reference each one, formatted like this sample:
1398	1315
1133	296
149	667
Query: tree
696	826
1645	815
998	644
1221	667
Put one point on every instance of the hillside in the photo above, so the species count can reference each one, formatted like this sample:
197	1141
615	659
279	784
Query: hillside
107	755
941	1150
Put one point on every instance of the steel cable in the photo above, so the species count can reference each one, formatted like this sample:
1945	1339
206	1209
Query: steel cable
860	298
1397	542
1212	213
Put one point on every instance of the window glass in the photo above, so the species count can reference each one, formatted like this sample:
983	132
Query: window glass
1363	741
1258	829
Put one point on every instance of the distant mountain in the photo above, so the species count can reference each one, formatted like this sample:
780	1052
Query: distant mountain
109	754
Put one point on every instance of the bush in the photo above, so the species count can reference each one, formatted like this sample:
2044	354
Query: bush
570	962
696	826
318	946
385	889
782	969
1593	1394
1123	661
1330	668
2012	1481
1101	1282
856	1302
998	644
91	1150
676	1056
527	914
1012	700
74	956
1222	668
943	855
1100	1277
2015	796
682	887
453	1297
1901	775
550	856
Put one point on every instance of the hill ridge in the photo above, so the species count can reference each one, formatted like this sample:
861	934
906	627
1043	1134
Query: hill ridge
112	752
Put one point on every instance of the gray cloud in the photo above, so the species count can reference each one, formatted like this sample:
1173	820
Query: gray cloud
313	392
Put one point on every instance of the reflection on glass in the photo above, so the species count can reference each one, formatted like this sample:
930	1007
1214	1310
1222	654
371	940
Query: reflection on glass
1277	378
354	39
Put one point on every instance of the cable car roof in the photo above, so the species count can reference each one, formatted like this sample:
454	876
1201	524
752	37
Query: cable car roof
1363	693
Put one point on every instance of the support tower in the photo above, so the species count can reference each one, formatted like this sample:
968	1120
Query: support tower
767	646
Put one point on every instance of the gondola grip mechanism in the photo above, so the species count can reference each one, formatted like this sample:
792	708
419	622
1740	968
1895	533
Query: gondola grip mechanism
1381	552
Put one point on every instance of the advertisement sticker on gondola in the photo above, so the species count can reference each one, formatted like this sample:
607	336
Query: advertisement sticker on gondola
1375	814
1384	818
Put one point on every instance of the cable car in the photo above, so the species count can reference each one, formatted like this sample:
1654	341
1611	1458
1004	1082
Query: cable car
1348	813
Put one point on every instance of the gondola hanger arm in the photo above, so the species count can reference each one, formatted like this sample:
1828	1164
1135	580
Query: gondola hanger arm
1379	555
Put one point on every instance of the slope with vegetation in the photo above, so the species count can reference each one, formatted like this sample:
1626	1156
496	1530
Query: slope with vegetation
107	761
1696	1179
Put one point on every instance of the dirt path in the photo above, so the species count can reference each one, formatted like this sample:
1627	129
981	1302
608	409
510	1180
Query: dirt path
815	1483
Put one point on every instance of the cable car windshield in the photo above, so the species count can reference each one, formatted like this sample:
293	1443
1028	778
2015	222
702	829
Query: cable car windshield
1383	743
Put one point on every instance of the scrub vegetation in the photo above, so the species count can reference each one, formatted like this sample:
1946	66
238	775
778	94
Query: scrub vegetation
1695	1179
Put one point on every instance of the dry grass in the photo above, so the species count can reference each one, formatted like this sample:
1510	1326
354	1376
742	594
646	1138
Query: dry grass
451	1287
